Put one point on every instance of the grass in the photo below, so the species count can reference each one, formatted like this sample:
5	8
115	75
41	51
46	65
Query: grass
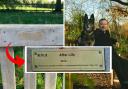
25	8
22	17
30	15
19	71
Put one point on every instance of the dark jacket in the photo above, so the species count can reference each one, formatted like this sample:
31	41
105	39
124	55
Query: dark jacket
102	38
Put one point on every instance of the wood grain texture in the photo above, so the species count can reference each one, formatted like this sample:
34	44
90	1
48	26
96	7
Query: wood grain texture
7	70
30	81
50	80
31	35
29	78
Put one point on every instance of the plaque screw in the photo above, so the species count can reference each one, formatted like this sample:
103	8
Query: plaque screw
36	66
100	52
38	55
101	65
35	53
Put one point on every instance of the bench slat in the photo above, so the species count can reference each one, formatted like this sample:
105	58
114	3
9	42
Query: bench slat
7	70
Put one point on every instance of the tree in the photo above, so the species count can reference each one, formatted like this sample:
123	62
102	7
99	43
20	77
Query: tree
121	2
9	4
58	6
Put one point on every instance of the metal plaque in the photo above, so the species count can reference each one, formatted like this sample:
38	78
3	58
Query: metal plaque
68	59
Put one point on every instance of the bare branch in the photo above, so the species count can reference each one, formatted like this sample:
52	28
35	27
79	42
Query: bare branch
121	2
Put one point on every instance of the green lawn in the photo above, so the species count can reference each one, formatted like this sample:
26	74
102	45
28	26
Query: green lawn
25	8
22	17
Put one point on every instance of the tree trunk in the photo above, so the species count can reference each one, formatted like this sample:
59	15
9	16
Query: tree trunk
58	6
121	2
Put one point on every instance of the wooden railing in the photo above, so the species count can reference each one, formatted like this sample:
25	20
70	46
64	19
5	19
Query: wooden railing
21	35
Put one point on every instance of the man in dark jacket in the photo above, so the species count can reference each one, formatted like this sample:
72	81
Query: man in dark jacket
102	35
102	38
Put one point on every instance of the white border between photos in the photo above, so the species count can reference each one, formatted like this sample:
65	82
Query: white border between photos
64	22
67	47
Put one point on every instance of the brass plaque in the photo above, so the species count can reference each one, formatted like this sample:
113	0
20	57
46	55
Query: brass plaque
68	59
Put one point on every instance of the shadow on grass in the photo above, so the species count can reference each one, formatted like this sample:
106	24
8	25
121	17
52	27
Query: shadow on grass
30	17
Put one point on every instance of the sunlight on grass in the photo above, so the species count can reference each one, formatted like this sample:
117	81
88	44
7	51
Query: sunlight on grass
27	8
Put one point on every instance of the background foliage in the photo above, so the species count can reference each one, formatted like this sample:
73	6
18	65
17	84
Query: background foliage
115	13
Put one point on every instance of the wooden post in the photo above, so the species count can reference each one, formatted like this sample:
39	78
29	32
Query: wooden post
50	80
29	78
29	81
70	81
112	78
7	70
63	81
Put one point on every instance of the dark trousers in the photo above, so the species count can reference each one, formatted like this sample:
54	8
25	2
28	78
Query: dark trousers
120	66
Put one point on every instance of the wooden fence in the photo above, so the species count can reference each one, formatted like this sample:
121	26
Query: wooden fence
21	35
